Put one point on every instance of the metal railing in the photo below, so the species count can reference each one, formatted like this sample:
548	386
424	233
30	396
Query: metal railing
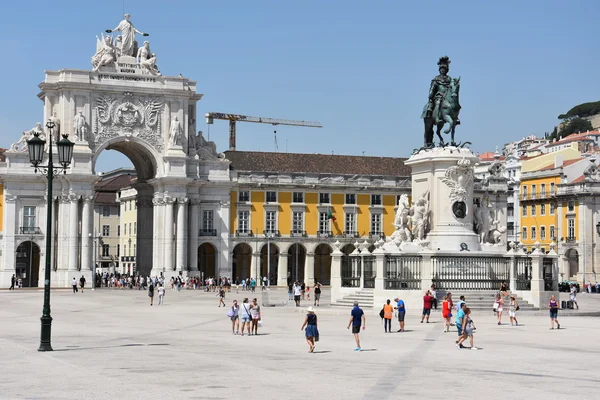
244	233
30	230
297	233
324	234
469	273
351	234
271	232
523	273
207	232
376	235
369	271
351	269
402	272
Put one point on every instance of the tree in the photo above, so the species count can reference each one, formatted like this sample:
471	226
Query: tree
573	126
582	110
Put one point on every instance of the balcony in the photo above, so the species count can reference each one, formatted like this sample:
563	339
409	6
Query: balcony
351	234
127	258
244	233
324	234
298	233
207	232
571	240
537	196
376	235
271	232
30	230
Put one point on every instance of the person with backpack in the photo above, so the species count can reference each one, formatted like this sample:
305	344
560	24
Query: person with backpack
387	312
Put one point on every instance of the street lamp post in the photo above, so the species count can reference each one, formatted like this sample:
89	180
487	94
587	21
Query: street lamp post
36	147
95	238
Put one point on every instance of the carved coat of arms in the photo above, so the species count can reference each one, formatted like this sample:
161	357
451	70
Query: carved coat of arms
459	178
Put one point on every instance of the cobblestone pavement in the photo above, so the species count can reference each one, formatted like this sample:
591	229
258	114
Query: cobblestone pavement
110	344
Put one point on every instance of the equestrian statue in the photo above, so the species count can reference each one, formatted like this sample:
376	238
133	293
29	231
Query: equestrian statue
443	106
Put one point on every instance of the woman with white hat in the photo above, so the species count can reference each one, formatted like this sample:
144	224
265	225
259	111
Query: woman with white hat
312	332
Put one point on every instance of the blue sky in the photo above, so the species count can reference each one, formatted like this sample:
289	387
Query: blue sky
360	68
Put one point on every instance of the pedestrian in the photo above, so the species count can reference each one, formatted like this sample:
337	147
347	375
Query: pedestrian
427	303
459	303
237	285
245	312
461	322
499	305
256	316
253	285
513	307
264	282
307	292
243	285
290	291
553	307
161	294
302	289
82	282
446	313
74	285
312	330
469	329
297	293
234	315
221	296
401	309
434	295
503	289
13	279
388	313
317	296
573	295
357	318
151	293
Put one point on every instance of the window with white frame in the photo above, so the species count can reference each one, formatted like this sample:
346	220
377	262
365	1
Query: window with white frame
297	222
271	197
552	207
134	249
350	198
124	249
271	221
375	199
542	209
533	233
571	228
125	229
118	250
532	210
533	191
323	222
29	218
552	188
552	232
105	250
119	230
244	221
135	228
130	228
524	190
207	220
298	197
350	225
376	224
543	190
542	233
106	211
524	233
105	230
324	198
243	196
571	206
524	211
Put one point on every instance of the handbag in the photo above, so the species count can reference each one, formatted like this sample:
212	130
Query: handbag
260	323
230	313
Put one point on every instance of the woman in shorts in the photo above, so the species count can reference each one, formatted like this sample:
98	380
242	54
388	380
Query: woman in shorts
499	305
255	314
553	307
245	315
512	310
234	315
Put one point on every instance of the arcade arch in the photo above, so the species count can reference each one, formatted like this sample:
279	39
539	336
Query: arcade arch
572	262
207	261
323	264
27	263
269	265
296	261
241	261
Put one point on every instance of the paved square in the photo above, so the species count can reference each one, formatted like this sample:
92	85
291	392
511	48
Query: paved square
110	344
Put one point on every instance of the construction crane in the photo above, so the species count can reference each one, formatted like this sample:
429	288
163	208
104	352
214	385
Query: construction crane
233	118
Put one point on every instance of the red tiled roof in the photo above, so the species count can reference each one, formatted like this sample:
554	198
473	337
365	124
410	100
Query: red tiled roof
106	189
579	179
583	136
489	156
317	163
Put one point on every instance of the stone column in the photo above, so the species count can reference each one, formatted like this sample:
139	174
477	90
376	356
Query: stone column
426	271
309	269
73	241
254	265
158	260
62	261
282	269
379	268
168	234
512	265
336	275
537	278
86	229
182	234
193	233
10	229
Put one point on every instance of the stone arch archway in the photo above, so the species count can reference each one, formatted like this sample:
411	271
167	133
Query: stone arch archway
242	261
27	263
269	265
145	159
323	264
572	262
296	261
207	261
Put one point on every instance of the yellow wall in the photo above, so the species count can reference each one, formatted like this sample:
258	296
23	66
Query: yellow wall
233	215
389	213
284	220
311	218
548	159
540	220
257	215
364	214
564	222
1	208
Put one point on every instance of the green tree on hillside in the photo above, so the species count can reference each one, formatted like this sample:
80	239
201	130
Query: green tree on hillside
582	110
574	125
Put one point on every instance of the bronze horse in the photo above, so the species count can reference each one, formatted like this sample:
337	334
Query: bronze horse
449	108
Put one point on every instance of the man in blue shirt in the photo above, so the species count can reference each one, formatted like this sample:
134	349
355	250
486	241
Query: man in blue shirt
460	323
357	317
401	313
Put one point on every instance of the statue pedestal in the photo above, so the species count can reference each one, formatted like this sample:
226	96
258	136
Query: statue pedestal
450	198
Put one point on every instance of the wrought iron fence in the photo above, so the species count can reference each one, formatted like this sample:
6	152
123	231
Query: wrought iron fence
369	272
469	273
523	273
402	272
351	271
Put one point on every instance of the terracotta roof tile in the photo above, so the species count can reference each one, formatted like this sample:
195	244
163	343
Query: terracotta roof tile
579	179
317	163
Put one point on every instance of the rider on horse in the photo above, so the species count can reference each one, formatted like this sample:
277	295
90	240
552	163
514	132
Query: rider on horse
440	85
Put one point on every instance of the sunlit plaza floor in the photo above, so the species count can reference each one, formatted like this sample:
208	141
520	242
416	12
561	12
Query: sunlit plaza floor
110	344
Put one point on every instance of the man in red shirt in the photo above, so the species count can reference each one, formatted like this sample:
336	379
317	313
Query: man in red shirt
427	303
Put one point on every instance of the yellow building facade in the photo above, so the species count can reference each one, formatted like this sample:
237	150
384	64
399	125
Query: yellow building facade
127	231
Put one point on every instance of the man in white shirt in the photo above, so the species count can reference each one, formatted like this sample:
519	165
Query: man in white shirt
297	293
74	284
161	295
